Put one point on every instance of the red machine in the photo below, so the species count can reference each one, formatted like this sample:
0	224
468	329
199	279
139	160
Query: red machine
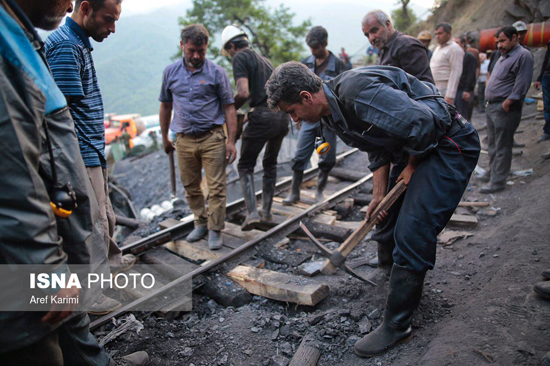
538	35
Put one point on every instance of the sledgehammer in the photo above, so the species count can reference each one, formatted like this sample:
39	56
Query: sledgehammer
339	256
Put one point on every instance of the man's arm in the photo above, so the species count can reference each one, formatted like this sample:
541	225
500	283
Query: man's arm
243	92
544	64
231	121
165	114
379	188
456	60
522	82
470	68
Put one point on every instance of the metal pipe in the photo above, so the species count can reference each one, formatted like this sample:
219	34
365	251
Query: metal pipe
538	35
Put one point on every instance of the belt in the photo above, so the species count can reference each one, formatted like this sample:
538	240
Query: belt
201	134
496	100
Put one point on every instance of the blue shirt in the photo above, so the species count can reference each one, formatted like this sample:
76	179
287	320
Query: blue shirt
197	96
69	54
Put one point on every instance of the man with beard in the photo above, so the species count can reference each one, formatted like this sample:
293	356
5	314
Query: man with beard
69	54
200	93
395	48
45	220
401	121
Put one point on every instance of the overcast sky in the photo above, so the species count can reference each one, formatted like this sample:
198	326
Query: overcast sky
143	6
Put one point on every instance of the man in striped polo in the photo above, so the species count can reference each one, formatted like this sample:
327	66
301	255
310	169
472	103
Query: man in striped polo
69	54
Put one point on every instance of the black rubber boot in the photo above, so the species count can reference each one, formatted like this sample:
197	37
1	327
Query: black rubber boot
249	194
322	179
294	196
268	191
385	263
403	299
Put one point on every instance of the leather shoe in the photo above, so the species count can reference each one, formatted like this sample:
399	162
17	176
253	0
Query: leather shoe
485	178
543	137
543	289
127	261
517	144
140	358
197	234
546	274
104	305
491	189
215	240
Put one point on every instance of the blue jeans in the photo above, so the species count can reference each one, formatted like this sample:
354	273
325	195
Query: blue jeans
306	145
546	100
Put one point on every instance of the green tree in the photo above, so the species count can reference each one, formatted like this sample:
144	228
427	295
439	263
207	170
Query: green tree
403	17
272	30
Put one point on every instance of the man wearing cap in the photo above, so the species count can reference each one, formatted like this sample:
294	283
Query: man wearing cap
426	38
200	93
505	91
266	127
395	48
326	65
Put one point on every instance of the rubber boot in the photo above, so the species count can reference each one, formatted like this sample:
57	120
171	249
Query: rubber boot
268	191
249	194
294	196
385	263
403	299
322	179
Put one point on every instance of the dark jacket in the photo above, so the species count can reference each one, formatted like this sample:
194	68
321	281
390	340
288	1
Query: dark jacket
468	78
387	113
30	233
334	68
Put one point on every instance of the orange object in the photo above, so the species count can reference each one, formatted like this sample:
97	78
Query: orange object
130	122
538	35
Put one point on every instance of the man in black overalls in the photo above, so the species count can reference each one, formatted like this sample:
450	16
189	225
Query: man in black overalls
401	121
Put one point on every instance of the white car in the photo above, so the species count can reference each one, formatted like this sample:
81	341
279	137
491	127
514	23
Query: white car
145	140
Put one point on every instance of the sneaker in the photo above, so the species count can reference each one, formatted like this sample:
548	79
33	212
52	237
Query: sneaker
104	305
215	241
543	137
197	234
139	358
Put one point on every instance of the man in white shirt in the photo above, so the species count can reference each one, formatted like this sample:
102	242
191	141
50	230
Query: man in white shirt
482	81
446	62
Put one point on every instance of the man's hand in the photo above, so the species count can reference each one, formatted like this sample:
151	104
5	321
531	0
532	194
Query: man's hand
537	85
230	152
450	100
372	206
408	172
507	104
466	96
58	312
168	146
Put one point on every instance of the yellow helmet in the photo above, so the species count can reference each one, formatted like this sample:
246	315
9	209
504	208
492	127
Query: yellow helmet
425	36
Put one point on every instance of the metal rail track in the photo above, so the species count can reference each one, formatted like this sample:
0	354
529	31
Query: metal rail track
172	233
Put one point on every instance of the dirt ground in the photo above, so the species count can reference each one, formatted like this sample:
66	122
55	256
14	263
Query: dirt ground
478	305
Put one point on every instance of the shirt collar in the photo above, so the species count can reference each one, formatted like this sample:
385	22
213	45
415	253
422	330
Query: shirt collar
79	32
514	50
335	111
199	70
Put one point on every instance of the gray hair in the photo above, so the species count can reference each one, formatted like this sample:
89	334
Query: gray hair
288	80
380	15
196	33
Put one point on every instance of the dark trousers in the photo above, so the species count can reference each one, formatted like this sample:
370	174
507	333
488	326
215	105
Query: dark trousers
306	145
463	107
265	127
71	344
432	196
546	100
501	127
481	95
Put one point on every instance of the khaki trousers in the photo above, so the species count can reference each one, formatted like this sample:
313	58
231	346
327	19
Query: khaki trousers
207	152
98	178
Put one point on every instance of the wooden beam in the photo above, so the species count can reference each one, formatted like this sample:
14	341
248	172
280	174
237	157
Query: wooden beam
464	220
169	223
167	263
280	286
197	251
306	354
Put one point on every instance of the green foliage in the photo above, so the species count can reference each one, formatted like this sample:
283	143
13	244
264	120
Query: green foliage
400	22
272	31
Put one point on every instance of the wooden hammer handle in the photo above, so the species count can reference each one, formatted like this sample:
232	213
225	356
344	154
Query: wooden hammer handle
366	226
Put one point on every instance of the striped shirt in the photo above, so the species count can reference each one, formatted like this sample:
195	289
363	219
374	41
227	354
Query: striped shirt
69	54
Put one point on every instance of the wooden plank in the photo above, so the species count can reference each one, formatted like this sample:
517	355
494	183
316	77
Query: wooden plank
306	354
324	219
464	220
308	194
280	286
165	224
474	204
285	210
352	225
197	251
283	243
235	230
167	263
